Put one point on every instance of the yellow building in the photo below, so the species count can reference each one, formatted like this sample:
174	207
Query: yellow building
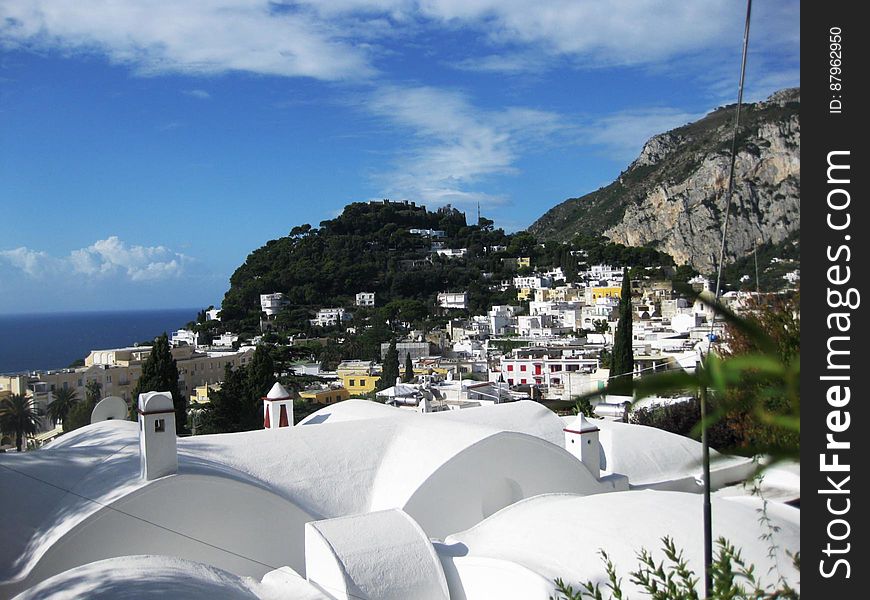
327	396
605	292
358	377
544	295
13	384
202	393
525	293
358	384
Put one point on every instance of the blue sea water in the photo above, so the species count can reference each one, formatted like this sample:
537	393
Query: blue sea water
53	341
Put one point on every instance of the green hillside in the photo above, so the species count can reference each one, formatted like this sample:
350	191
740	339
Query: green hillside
369	247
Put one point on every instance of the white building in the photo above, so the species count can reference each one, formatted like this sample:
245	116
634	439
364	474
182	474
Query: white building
434	233
540	326
502	319
327	317
556	274
604	272
271	304
213	314
225	340
542	366
533	282
365	299
565	314
458	300
604	309
792	277
185	337
451	252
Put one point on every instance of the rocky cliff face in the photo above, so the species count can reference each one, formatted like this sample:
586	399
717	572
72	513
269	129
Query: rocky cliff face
673	196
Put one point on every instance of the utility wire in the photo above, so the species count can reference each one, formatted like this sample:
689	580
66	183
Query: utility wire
705	446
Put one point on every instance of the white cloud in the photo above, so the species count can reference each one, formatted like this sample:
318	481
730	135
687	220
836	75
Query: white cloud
623	134
195	36
31	262
502	63
338	39
199	94
454	145
106	258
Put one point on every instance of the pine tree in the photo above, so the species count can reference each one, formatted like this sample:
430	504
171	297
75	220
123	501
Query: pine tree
260	377
622	363
391	368
225	412
160	374
409	369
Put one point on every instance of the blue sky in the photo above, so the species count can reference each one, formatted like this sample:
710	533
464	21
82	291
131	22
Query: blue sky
147	147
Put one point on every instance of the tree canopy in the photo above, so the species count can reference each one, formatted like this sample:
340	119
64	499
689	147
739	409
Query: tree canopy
160	374
369	247
64	401
622	362
19	416
390	371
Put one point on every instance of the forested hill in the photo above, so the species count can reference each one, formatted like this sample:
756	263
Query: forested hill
370	248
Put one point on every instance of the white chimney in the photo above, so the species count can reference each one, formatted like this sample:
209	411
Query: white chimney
277	408
158	455
581	440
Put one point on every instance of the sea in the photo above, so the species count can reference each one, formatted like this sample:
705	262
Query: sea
39	342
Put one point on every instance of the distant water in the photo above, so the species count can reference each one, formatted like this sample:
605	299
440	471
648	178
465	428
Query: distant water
53	341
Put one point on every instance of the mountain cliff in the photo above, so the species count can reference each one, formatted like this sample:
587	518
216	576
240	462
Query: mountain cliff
672	197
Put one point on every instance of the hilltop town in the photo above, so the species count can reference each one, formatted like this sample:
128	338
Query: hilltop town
539	325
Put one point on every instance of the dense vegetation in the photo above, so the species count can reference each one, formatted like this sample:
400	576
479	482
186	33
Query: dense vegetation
774	261
369	247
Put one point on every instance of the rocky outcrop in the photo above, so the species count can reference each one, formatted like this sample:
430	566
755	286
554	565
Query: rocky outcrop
673	196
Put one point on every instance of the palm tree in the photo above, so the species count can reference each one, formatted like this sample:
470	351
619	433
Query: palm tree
64	400
20	416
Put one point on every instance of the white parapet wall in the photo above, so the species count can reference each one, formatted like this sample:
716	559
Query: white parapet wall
339	552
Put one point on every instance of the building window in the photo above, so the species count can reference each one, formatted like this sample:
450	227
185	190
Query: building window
510	367
160	425
523	368
352	382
